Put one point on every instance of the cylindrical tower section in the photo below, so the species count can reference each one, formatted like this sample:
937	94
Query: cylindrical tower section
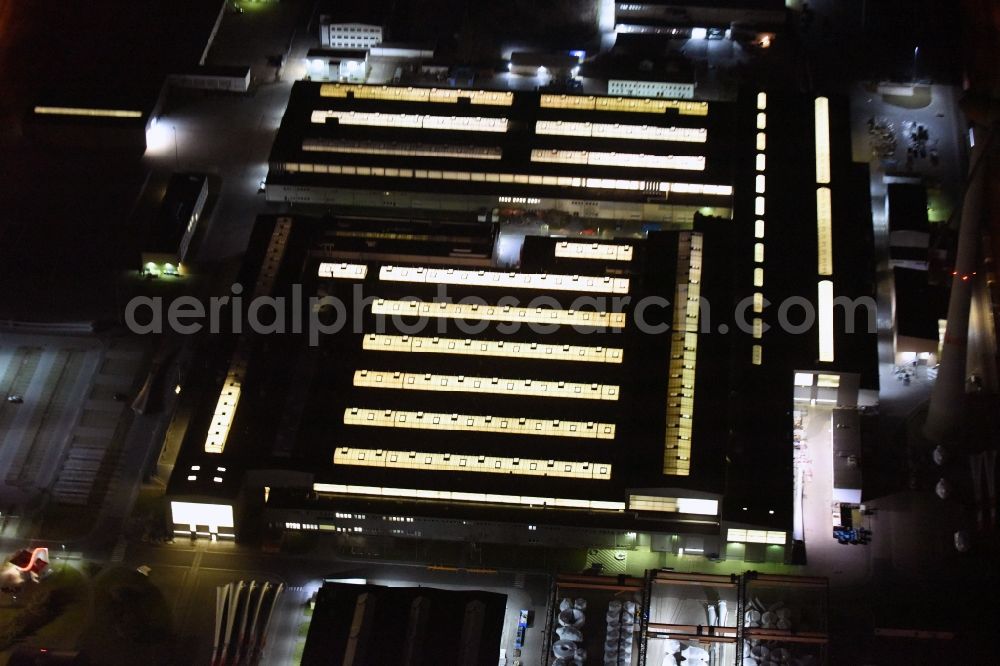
948	395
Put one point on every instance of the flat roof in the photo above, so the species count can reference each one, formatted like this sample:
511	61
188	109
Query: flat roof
369	407
337	54
376	624
169	226
392	442
633	149
547	59
906	205
57	196
155	39
775	253
629	67
919	305
846	449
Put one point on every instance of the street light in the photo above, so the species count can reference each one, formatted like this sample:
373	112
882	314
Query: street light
916	51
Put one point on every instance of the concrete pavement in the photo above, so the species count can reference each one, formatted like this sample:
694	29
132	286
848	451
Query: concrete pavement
229	136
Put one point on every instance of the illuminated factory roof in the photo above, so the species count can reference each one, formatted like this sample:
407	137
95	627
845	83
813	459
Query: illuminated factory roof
449	409
342	271
413	121
491	143
624	104
426	175
501	313
641	161
504	425
608	251
620	131
411	94
467	463
411	381
536	281
478	347
86	112
442	375
404	149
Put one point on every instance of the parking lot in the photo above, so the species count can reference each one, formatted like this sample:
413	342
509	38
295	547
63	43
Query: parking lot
48	383
64	404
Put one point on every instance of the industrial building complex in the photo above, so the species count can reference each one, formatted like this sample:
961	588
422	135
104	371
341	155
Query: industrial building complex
634	333
448	149
612	391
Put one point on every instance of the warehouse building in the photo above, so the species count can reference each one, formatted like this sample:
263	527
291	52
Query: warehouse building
168	243
374	624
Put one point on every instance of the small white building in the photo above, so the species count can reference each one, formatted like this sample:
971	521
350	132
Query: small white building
344	65
349	35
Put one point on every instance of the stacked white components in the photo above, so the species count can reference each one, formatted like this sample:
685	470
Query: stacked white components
760	653
717	613
775	616
685	653
618	640
568	649
771	653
